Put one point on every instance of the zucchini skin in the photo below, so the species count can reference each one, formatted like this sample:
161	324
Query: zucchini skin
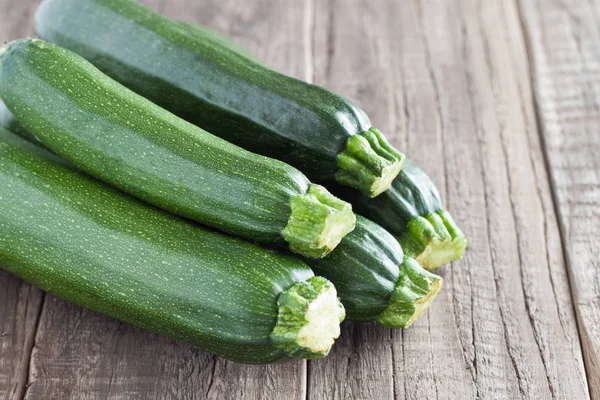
364	269
210	98
208	81
96	247
119	137
375	280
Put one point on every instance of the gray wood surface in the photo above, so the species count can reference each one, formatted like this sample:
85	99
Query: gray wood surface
499	101
563	38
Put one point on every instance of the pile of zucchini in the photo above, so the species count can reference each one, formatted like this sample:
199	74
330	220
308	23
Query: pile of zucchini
155	172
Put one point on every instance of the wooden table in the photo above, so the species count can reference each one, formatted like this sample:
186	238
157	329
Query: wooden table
499	100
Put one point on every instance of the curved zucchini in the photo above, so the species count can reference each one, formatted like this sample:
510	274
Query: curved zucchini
96	247
412	211
214	85
123	139
149	46
375	280
411	208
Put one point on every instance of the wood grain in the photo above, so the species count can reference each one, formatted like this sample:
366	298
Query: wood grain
515	159
20	304
449	84
563	38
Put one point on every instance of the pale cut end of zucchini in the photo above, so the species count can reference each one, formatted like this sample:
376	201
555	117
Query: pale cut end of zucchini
368	163
414	292
434	240
318	222
309	319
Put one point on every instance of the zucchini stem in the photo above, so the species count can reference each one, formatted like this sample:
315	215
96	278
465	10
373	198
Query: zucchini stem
309	319
368	163
318	222
414	292
434	240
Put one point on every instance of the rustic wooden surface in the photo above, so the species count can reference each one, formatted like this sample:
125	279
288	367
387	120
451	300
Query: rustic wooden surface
500	101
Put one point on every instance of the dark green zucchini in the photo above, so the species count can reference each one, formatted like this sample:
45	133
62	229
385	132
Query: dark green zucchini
213	84
374	279
412	211
99	248
121	138
210	83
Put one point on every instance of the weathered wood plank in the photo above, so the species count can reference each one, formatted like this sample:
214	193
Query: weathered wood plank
545	338
563	39
17	19
448	82
359	52
523	328
82	355
272	30
20	304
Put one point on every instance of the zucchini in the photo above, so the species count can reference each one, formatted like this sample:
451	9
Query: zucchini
374	279
121	138
208	82
213	84
412	211
85	242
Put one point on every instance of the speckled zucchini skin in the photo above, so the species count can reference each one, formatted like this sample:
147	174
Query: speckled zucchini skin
121	138
94	246
364	268
207	82
218	87
374	278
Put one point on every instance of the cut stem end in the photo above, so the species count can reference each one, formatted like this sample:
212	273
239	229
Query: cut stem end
368	163
434	240
414	292
318	222
310	315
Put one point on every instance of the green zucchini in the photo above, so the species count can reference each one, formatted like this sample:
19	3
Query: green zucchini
212	84
412	211
96	247
374	279
121	138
